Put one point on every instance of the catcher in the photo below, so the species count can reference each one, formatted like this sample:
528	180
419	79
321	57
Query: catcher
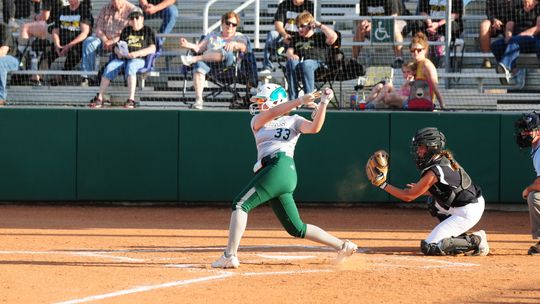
456	200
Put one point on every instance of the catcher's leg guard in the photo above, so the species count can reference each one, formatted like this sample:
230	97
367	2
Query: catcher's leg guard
451	246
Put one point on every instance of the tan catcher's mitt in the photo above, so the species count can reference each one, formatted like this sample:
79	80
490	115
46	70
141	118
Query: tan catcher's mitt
377	168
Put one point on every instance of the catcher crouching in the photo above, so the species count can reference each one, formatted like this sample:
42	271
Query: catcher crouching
453	198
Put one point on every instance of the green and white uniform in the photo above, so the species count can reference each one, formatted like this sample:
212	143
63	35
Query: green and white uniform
275	178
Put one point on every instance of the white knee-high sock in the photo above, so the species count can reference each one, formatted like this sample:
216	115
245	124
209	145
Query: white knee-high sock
236	230
316	234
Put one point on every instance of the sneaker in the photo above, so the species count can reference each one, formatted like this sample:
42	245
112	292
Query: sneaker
346	251
226	262
398	62
501	69
130	104
519	78
96	103
534	250
483	247
198	105
13	24
265	72
186	60
486	64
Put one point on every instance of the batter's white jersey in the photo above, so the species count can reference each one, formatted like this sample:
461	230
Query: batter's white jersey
278	135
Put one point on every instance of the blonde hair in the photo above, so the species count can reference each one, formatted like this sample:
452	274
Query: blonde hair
420	38
304	17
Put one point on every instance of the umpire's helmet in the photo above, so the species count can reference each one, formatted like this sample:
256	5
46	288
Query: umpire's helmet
528	122
433	139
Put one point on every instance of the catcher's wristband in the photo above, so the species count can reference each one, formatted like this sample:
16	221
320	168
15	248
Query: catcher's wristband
383	185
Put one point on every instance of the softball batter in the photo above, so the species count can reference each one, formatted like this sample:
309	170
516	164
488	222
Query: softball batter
275	178
458	202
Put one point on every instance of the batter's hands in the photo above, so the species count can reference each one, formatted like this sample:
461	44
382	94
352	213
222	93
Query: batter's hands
327	95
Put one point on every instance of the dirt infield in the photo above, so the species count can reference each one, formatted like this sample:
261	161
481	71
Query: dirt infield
162	255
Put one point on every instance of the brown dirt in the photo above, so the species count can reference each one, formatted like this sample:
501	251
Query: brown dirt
162	254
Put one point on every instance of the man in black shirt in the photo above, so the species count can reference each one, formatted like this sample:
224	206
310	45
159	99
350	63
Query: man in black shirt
7	61
285	26
498	13
164	9
306	52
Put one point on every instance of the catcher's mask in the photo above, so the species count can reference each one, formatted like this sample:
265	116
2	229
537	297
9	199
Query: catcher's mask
526	124
268	96
434	141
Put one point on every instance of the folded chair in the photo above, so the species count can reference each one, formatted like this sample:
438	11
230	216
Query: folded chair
226	78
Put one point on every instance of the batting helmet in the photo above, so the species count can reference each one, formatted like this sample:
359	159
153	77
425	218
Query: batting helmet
433	139
268	96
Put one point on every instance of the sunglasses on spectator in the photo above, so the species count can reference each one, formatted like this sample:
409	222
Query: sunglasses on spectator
417	50
135	17
307	25
228	23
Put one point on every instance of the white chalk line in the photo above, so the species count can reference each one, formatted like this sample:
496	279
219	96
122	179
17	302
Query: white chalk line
223	275
75	253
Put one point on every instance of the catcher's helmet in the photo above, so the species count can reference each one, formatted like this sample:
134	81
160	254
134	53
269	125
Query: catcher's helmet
268	96
528	122
433	139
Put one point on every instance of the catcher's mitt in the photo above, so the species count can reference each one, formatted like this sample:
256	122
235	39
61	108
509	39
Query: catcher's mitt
377	168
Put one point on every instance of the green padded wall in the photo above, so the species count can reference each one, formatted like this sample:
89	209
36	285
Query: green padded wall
216	157
472	137
331	163
127	155
38	154
516	170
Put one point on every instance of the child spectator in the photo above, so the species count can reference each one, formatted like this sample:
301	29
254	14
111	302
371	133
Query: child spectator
384	95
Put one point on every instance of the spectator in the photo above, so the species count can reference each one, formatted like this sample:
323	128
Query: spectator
112	19
285	27
425	69
520	35
136	42
215	48
71	27
435	27
498	12
307	51
7	61
12	9
164	9
384	95
40	28
380	8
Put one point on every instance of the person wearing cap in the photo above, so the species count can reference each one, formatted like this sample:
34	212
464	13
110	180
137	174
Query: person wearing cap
111	20
164	9
136	42
527	133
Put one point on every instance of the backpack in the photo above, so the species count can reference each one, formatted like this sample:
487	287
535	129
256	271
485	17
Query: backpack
420	98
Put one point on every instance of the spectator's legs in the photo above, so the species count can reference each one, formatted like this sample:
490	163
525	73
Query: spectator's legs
485	36
516	45
132	66
169	16
198	85
359	36
91	46
273	39
398	37
497	48
111	71
291	78
7	63
307	70
8	10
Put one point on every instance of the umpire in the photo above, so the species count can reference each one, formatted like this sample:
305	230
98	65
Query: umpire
527	132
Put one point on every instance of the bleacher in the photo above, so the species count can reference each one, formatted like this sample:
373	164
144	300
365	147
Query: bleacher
165	90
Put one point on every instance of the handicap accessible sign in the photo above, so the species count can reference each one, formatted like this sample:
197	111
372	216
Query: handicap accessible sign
382	30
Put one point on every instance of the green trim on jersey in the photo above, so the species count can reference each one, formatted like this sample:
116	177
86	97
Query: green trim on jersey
275	183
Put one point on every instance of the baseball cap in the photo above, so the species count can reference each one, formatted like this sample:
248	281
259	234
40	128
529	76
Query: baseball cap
135	12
